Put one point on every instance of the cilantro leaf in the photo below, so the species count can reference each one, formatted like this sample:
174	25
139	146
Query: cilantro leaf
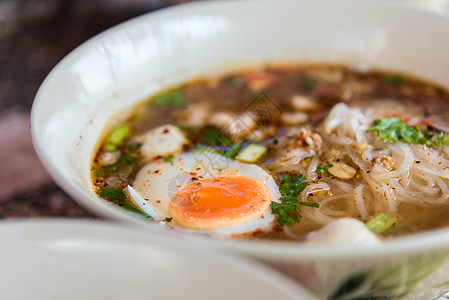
287	213
287	210
323	169
394	130
439	139
214	137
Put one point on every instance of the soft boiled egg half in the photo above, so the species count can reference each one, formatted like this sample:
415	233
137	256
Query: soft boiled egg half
206	192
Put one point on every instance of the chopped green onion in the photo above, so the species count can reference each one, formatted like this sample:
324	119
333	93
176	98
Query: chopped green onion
251	153
380	223
169	158
116	136
173	98
168	220
109	147
113	194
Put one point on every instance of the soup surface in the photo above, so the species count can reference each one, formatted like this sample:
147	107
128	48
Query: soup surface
284	151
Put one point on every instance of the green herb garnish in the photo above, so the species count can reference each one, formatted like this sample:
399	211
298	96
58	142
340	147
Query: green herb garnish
232	151
214	137
172	98
380	222
234	81
323	169
252	153
113	194
128	156
116	137
395	79
187	128
290	188
309	84
131	208
394	130
311	204
439	139
169	158
168	220
138	118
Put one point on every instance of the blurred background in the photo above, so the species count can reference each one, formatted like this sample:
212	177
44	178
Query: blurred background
34	36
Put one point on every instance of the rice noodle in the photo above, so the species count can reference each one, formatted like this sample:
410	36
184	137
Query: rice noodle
402	152
289	232
356	159
316	215
312	189
388	173
358	196
311	171
344	186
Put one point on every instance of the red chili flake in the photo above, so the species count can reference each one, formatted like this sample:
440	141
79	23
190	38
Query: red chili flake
156	171
399	116
166	130
158	201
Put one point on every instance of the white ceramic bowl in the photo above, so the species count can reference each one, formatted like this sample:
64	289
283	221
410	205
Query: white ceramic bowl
61	259
131	61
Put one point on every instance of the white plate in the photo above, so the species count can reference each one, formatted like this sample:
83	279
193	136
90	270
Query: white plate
61	259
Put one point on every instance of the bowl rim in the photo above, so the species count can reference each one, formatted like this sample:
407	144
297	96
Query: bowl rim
270	249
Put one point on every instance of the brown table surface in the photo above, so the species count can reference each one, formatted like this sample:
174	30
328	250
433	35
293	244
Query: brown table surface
34	36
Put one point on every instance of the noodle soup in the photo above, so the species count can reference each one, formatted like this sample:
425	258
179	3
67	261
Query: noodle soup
316	153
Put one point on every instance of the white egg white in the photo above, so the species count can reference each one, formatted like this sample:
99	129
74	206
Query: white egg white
158	182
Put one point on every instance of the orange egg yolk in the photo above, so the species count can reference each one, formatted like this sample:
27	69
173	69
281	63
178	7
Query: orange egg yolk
221	201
